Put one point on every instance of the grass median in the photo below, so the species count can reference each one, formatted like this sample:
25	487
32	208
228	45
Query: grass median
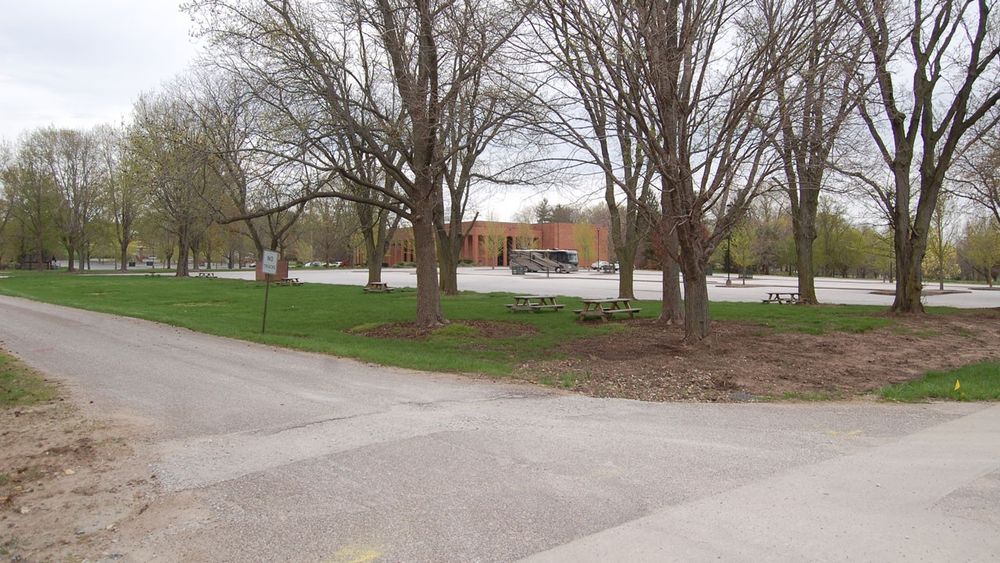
339	319
20	385
976	382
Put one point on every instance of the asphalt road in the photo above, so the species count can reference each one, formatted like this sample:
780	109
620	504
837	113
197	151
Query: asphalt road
280	455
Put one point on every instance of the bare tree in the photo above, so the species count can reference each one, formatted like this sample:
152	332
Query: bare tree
6	199
72	161
936	67
981	246
170	145
940	248
32	196
125	194
431	51
582	44
233	125
978	177
710	71
815	97
478	118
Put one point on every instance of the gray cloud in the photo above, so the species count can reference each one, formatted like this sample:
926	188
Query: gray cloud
77	63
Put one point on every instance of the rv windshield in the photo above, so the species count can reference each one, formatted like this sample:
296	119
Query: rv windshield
566	257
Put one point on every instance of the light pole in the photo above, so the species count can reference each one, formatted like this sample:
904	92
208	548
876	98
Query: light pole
598	229
729	243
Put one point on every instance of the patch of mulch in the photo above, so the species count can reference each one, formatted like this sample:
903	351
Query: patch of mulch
743	361
487	329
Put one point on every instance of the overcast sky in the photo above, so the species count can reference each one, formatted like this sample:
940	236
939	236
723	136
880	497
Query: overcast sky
78	63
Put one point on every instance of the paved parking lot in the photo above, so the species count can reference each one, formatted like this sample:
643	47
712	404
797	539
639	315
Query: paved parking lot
589	284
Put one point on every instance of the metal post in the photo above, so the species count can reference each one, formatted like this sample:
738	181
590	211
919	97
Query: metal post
267	289
598	244
729	238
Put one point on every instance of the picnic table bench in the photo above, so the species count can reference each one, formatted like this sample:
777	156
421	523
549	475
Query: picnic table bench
782	297
378	287
605	309
206	275
289	281
534	303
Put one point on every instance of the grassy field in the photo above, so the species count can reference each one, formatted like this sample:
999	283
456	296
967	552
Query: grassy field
977	382
19	385
328	318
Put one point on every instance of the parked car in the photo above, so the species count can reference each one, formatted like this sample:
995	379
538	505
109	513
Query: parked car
604	266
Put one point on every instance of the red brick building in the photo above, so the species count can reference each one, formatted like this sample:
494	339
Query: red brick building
489	243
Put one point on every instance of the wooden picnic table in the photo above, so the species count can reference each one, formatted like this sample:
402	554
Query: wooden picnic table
378	287
289	281
782	297
206	275
605	309
534	303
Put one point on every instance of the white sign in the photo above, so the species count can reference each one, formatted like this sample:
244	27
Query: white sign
269	265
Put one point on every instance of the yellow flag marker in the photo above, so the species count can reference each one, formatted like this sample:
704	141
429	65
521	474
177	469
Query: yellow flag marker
958	385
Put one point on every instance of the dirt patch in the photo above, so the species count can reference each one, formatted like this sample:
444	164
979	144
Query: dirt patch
744	361
484	329
66	484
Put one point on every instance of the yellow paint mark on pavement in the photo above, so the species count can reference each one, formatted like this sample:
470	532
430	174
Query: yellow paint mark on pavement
356	554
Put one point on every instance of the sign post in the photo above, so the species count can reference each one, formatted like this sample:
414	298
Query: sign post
268	265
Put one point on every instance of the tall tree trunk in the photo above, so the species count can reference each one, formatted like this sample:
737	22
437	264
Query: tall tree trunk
625	241
673	304
696	319
193	253
182	254
372	249
448	263
805	203
425	245
693	264
804	263
668	248
72	258
626	274
909	277
124	256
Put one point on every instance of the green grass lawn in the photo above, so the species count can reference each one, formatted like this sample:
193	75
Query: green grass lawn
978	382
19	385
319	317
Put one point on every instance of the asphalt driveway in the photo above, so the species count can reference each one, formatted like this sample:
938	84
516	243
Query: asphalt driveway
282	455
